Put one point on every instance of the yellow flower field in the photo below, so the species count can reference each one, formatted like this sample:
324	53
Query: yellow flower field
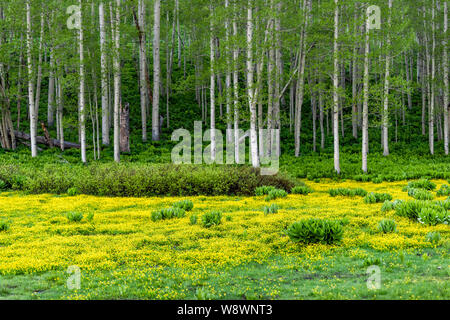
122	233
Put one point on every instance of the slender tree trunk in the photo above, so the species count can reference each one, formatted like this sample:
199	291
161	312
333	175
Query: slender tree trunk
117	82
32	109
236	88
142	68
82	89
385	120
433	74
156	72
104	77
228	76
446	87
39	72
365	126
212	92
51	92
337	167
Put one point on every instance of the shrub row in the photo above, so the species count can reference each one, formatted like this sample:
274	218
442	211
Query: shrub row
346	192
316	231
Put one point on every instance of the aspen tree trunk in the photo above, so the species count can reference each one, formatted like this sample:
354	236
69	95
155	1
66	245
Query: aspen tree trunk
32	109
104	77
156	71
117	80
337	167
177	8
228	76
278	79
365	125
142	68
51	92
354	85
250	88
212	92
82	89
236	88
39	72
59	111
433	74
446	87
385	120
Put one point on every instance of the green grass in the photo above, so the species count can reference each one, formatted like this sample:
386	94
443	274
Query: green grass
422	274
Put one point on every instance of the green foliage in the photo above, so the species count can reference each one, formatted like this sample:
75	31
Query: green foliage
4	226
316	231
433	216
377	197
433	237
2	185
73	192
90	217
186	205
420	194
346	192
193	219
387	226
263	191
276	194
425	212
422	184
74	216
210	219
303	190
443	191
273	208
168	213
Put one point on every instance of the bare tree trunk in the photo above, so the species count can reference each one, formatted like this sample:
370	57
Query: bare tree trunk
228	76
385	120
337	167
433	74
212	92
446	87
236	88
32	109
39	73
156	72
142	68
365	126
117	81
51	92
104	78
82	89
125	127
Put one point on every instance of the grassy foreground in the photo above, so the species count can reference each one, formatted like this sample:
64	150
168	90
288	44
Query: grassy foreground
123	254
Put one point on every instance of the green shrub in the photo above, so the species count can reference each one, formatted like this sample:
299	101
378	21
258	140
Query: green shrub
377	197
387	226
422	184
210	219
273	208
390	205
2	185
276	194
263	191
303	190
186	205
433	237
443	191
73	192
346	192
316	231
432	216
168	213
4	226
74	216
420	194
194	219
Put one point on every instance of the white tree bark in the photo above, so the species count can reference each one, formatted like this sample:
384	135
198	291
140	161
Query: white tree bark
212	88
104	77
228	76
117	80
51	91
33	115
156	71
142	68
386	88
446	88
365	115
337	167
250	88
433	75
82	89
236	88
39	72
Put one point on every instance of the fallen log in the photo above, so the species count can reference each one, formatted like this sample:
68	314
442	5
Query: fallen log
42	140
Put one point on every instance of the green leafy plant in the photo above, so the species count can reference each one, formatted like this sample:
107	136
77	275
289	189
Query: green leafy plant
420	194
4	226
433	237
168	213
264	190
377	197
303	190
422	184
2	185
273	208
186	205
387	226
316	231
346	192
210	219
90	217
73	192
74	216
276	194
443	191
193	219
432	216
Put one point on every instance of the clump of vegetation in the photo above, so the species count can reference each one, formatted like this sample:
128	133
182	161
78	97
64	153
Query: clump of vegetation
194	219
263	191
316	231
273	208
442	192
276	194
186	205
346	192
71	192
4	226
211	219
420	194
377	197
90	217
433	216
433	237
387	226
2	185
390	205
168	213
303	190
74	216
421	184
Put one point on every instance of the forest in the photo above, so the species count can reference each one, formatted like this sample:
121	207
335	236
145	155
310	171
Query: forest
348	99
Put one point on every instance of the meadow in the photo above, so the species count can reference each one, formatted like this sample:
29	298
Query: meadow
125	252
